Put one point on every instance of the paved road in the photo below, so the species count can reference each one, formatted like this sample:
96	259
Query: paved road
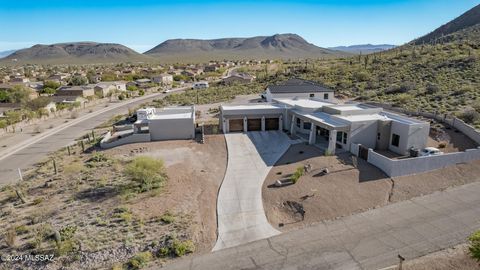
370	240
241	218
30	151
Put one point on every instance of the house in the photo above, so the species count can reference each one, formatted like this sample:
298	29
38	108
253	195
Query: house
103	89
143	83
19	80
163	79
238	78
59	78
81	91
200	85
210	68
329	126
298	88
169	123
156	124
68	99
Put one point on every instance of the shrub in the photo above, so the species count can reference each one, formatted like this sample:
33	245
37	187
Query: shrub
474	247
470	116
181	248
297	174
167	218
140	260
442	145
22	229
148	172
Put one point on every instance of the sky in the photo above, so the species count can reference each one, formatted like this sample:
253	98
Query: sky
143	24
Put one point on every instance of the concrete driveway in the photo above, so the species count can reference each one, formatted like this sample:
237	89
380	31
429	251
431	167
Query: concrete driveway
241	218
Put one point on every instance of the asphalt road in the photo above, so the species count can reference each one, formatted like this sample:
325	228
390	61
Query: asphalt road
369	240
29	152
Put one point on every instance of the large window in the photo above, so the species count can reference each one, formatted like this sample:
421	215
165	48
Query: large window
307	125
298	122
325	96
395	140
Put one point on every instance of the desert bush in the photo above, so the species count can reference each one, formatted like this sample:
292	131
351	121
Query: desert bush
140	260
22	229
167	218
470	116
147	172
442	145
297	174
474	248
180	248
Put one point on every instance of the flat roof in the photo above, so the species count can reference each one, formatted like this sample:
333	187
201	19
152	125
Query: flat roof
350	107
324	118
306	103
171	116
362	117
264	106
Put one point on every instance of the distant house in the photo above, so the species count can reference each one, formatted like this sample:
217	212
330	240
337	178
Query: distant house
210	68
164	79
103	89
59	78
143	83
200	85
19	80
299	88
68	99
81	91
238	78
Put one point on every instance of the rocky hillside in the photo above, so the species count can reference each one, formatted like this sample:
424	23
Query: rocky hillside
280	46
75	53
465	26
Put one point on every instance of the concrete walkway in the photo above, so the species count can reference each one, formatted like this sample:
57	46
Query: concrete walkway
369	240
241	218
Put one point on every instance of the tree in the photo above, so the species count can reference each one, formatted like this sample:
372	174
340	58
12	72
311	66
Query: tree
78	80
132	88
38	103
20	94
3	124
13	117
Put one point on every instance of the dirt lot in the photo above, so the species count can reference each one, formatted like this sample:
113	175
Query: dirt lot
100	221
345	190
449	140
448	259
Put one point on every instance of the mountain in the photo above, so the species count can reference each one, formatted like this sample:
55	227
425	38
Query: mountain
6	53
363	49
467	26
284	46
75	53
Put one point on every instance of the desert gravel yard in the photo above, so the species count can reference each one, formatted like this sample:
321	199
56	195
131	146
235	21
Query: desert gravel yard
345	190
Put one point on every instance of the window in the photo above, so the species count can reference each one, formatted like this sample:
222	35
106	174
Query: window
378	136
325	96
395	140
307	125
345	138
298	122
312	95
339	136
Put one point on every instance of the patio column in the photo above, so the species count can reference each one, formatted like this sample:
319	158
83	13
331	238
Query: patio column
263	123
313	134
225	125
280	123
332	139
292	125
245	124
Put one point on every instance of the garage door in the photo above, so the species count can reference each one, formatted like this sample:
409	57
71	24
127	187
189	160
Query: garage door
236	125
254	124
271	124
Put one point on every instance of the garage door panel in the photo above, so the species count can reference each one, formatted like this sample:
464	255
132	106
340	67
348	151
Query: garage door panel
271	123
254	124
235	125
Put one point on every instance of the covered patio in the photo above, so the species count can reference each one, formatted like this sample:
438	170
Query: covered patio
323	131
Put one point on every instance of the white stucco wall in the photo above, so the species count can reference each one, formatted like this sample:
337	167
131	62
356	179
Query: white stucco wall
364	133
415	135
319	95
171	129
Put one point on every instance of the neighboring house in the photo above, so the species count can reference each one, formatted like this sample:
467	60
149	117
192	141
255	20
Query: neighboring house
68	99
103	89
299	88
164	79
81	91
238	78
19	80
59	78
211	68
329	125
200	85
143	83
156	124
